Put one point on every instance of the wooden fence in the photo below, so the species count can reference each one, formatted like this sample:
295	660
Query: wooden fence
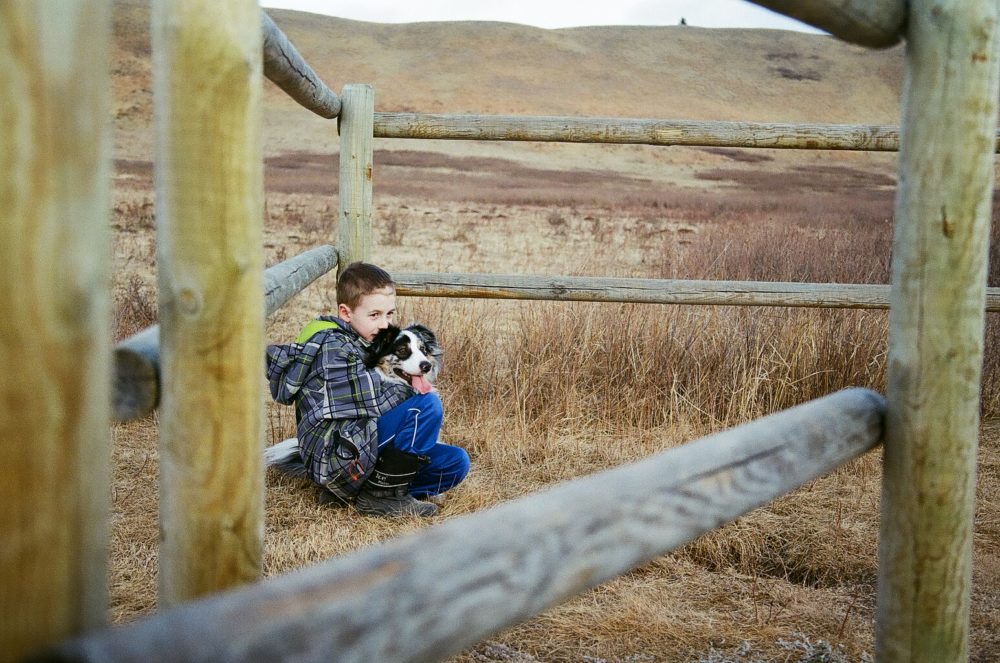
431	594
206	374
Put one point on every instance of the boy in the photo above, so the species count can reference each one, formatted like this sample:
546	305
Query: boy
361	437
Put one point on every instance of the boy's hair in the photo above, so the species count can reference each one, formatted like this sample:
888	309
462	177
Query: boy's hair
360	279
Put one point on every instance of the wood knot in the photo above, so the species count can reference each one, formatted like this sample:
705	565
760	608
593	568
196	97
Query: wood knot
189	301
947	225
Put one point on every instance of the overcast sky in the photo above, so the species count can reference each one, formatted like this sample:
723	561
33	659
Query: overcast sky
553	13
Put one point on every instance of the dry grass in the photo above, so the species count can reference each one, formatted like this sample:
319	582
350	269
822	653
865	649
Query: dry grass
544	392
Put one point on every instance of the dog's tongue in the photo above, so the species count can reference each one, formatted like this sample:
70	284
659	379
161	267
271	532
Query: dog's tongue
420	383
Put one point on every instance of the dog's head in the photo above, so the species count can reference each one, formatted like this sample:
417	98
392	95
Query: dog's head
410	355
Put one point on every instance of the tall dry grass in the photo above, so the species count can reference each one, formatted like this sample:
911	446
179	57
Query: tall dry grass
544	392
644	366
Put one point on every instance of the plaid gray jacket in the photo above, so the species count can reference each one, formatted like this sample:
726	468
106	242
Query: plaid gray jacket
337	404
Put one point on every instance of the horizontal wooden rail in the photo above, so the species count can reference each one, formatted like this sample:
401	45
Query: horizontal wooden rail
637	131
652	291
137	358
877	24
431	594
284	67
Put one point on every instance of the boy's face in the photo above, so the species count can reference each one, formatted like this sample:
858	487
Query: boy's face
374	312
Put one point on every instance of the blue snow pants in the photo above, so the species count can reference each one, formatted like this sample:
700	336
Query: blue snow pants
413	427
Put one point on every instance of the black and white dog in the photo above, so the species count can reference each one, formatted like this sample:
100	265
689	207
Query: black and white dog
411	355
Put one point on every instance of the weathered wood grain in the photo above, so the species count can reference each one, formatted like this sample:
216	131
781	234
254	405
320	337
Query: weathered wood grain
286	68
943	210
356	162
433	593
55	456
290	277
209	210
623	130
137	358
652	291
878	24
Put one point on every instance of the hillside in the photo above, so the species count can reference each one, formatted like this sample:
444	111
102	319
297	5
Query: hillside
483	67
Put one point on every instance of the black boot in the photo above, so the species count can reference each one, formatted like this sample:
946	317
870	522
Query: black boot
387	491
327	498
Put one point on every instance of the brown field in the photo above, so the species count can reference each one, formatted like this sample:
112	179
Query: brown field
544	392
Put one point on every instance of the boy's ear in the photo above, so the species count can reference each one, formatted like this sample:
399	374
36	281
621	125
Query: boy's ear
344	312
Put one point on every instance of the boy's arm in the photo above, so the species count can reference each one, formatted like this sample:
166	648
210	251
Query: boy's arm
286	370
353	391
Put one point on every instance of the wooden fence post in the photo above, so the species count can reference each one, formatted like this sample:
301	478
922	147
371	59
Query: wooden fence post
943	209
209	208
55	347
356	125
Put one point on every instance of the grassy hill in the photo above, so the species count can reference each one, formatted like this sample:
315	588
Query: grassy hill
487	67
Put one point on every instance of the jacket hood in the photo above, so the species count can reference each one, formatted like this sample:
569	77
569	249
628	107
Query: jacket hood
290	365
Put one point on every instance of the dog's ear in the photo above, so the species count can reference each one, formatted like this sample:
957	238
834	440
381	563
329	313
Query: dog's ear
380	346
428	338
425	334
